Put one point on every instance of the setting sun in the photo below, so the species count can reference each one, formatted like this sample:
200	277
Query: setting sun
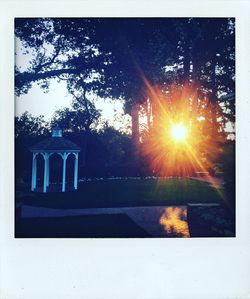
179	132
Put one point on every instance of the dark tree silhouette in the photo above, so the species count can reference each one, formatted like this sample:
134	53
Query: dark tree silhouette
112	56
28	130
78	121
129	57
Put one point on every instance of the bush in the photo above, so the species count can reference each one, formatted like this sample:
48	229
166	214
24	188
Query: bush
228	168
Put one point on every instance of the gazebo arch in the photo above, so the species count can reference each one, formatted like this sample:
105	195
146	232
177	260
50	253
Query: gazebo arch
56	144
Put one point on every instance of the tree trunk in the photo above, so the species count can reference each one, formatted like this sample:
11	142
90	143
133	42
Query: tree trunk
135	140
135	125
149	114
214	99
84	149
186	64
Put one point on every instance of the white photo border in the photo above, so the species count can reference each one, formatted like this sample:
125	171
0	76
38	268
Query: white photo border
203	268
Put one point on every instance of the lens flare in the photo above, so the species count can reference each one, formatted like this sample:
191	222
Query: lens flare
177	143
179	132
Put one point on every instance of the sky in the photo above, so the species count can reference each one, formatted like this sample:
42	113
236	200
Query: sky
37	102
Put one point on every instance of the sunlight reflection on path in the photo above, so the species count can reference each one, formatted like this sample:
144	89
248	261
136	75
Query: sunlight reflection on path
174	221
158	221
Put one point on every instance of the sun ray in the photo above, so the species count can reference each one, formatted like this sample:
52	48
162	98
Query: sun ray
180	140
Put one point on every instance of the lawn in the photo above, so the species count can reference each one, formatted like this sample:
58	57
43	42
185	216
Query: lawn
126	193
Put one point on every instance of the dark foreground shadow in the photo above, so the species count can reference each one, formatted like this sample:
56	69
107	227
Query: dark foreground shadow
90	226
210	221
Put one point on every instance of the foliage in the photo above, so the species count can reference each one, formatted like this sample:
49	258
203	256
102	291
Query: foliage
108	152
112	56
116	147
227	159
130	59
77	120
61	49
28	125
28	130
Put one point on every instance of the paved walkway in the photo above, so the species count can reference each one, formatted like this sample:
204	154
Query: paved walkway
160	221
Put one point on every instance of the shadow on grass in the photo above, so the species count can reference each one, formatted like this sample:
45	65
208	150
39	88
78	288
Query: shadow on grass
90	226
125	193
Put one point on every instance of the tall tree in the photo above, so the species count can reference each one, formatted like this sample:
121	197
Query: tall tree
59	48
115	56
107	56
140	48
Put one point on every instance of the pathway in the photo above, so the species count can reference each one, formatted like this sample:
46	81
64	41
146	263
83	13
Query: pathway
159	221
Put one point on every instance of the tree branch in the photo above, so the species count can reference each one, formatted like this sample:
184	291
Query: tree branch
21	79
58	49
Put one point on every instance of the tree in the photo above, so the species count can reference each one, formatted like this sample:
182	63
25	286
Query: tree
78	121
28	131
116	149
105	56
139	48
60	48
128	58
30	126
202	72
207	51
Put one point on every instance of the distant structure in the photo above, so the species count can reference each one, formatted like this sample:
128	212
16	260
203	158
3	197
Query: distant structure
56	144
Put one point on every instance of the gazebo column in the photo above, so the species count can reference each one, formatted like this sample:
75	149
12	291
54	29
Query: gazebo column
34	171
47	182
45	156
76	171
64	156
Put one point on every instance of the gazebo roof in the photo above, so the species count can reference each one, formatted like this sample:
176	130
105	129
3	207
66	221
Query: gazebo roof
55	143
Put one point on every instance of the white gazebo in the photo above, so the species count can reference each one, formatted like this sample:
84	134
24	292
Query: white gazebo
56	144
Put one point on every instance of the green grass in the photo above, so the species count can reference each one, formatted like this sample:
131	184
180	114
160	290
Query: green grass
126	193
